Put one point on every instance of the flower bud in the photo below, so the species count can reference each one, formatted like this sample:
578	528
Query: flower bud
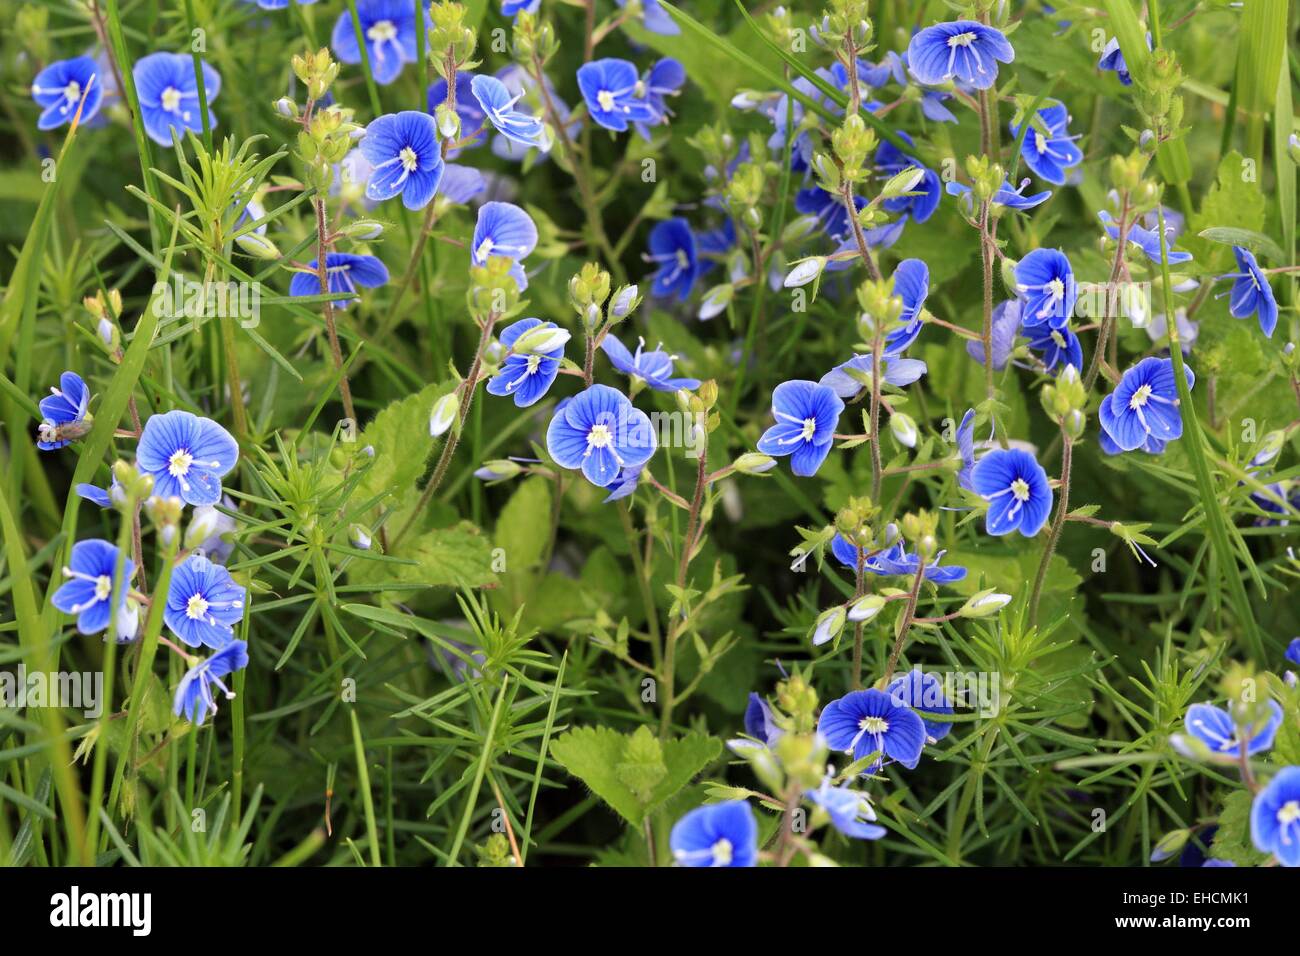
499	469
359	537
903	428
444	414
754	463
865	608
715	301
804	271
541	339
829	624
624	303
984	603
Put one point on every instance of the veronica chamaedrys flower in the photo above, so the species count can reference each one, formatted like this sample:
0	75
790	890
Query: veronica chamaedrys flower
507	231
1215	727
1007	196
1293	651
1251	292
1045	280
655	18
389	29
526	377
889	162
1015	486
963	50
654	368
194	699
1050	154
1006	323
498	105
65	85
848	379
673	249
510	8
404	150
806	416
65	413
344	272
1144	405
864	722
849	811
666	78
896	560
912	285
923	691
624	485
828	210
1275	817
468	109
1112	58
1148	240
600	432
169	95
88	590
966	449
719	834
758	720
203	603
1058	348
186	456
614	94
207	532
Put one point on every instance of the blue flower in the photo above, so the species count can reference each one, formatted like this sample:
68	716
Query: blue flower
194	699
1148	240
666	78
468	109
507	231
655	18
1052	154
898	372
1144	405
849	811
912	285
1057	347
278	4
1045	280
203	602
499	106
65	412
1215	727
1293	651
966	449
1112	58
1007	196
758	720
91	580
889	162
963	50
389	29
806	415
864	722
460	184
923	691
344	272
653	368
526	377
1015	486
894	560
95	495
1006	323
625	485
1275	817
673	248
600	432
614	94
169	95
1251	292
186	456
719	834
511	8
65	85
829	211
404	150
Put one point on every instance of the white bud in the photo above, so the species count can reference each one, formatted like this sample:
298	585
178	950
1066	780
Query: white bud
903	428
865	608
359	537
543	338
716	301
984	603
443	415
805	271
829	624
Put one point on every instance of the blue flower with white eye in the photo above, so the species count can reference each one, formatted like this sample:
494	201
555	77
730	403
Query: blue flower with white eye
1015	486
963	50
344	272
65	413
666	78
894	561
1005	325
1045	280
65	85
1251	292
654	368
91	579
655	18
966	449
1152	446
404	150
526	377
1148	240
1050	154
758	720
169	95
507	231
390	36
849	811
1057	348
600	432
912	285
471	114
1275	817
511	8
847	379
673	248
203	603
186	456
1144	405
1112	58
194	699
864	722
498	104
719	834
1007	196
614	94
1215	727
923	692
806	416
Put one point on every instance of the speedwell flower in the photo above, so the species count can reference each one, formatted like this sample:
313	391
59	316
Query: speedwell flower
848	379
758	720
169	95
719	834
1112	58
526	377
674	250
864	722
404	150
1144	405
912	285
963	50
1216	728
498	104
194	698
186	455
614	94
1005	325
507	231
600	432
1007	196
1015	486
1275	817
654	368
1057	348
1045	279
1251	292
1148	240
1050	154
90	582
655	18
203	603
344	272
390	36
923	691
65	85
849	811
468	109
65	413
806	415
666	78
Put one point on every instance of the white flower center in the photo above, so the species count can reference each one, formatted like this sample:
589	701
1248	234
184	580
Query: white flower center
178	465
1020	489
961	39
873	725
103	587
382	31
196	608
1057	288
722	852
171	99
533	362
1040	142
1140	397
72	92
606	100
599	436
408	158
484	249
1289	813
809	429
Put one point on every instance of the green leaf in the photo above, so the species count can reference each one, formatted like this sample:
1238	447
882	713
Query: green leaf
400	437
524	527
1232	842
459	556
1254	241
